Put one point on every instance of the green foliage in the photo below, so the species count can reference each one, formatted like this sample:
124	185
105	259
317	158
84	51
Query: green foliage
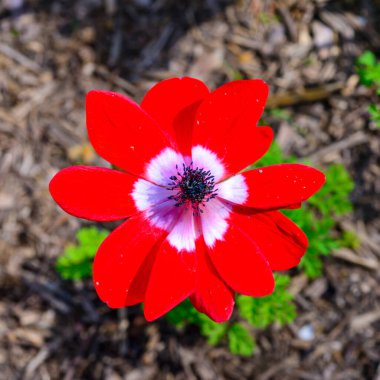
333	198
263	311
212	330
368	68
374	112
76	261
232	73
258	312
279	113
272	157
267	18
350	240
240	340
321	241
318	218
185	314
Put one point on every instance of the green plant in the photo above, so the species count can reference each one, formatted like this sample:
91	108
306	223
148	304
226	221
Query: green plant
374	112
185	314
333	198
250	313
279	113
276	308
317	218
368	68
76	261
240	340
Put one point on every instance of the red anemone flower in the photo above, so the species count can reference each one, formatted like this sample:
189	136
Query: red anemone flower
196	225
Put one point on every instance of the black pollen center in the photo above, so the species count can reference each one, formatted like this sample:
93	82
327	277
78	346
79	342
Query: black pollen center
194	186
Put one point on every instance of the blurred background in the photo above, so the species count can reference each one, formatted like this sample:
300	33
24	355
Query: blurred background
319	59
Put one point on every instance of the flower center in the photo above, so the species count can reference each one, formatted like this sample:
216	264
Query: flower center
194	186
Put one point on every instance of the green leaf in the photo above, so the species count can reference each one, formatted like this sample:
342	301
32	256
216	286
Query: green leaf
349	239
374	112
240	340
273	156
213	331
366	59
185	314
334	197
368	68
76	261
317	218
277	307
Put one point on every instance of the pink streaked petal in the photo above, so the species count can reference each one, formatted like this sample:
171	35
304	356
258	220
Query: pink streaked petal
240	262
184	233
172	279
281	186
163	166
94	193
234	189
121	257
173	103
212	296
214	221
123	133
226	123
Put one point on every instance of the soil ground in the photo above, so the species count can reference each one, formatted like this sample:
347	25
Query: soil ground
53	52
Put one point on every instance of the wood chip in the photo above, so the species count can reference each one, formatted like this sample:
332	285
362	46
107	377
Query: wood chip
362	321
349	256
19	58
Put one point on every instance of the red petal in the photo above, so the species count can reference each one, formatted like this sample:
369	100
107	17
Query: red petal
282	242
121	259
294	207
94	193
241	264
281	186
226	123
171	281
212	296
172	103
121	132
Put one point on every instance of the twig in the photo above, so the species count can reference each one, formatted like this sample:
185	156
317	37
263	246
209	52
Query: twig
361	322
41	356
289	362
288	21
19	58
116	43
57	299
116	80
249	43
153	50
123	329
349	256
21	112
357	138
303	95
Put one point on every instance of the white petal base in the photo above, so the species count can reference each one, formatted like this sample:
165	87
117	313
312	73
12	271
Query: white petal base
180	222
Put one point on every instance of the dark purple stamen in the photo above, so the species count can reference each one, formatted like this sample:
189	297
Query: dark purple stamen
196	186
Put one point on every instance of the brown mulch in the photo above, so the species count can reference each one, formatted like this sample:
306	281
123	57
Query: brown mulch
53	52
